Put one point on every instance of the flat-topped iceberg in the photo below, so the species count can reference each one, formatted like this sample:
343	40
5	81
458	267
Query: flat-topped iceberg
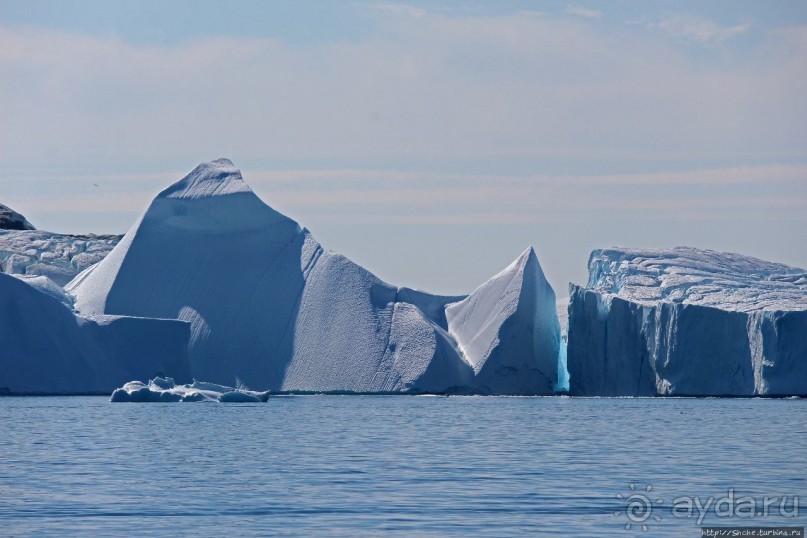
45	348
269	306
685	321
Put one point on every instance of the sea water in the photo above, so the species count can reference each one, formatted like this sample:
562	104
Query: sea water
373	465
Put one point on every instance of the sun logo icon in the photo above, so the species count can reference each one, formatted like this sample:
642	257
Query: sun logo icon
638	507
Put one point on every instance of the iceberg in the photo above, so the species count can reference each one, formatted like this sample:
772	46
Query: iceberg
164	389
269	306
48	349
508	330
687	322
11	220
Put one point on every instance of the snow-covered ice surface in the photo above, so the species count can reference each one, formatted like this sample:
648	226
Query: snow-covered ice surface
269	306
11	220
49	287
59	257
699	277
685	321
45	348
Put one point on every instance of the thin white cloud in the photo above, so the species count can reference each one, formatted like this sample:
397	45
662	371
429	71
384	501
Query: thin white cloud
397	9
388	178
532	13
583	12
438	218
699	29
731	175
356	195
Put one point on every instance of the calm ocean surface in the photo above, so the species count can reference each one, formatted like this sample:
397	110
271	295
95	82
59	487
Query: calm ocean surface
363	465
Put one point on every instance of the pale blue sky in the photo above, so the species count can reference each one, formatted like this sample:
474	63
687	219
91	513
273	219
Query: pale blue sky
431	142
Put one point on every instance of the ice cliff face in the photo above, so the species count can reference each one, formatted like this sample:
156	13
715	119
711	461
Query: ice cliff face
685	321
270	307
48	349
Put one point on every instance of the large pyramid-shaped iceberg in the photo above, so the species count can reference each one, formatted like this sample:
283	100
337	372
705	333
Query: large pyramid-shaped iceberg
269	307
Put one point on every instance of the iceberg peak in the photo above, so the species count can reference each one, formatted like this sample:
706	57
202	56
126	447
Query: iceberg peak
528	257
209	179
526	263
508	330
528	253
11	220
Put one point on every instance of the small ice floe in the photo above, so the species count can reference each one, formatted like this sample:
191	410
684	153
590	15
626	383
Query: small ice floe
164	389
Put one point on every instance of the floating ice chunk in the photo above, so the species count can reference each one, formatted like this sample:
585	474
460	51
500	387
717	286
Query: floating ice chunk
212	387
162	389
237	396
164	383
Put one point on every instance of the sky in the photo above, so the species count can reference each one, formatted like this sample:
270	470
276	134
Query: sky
431	142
